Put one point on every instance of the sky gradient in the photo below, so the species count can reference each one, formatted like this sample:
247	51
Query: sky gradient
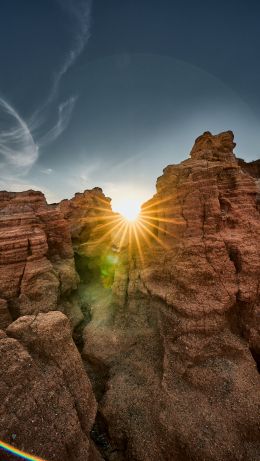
107	93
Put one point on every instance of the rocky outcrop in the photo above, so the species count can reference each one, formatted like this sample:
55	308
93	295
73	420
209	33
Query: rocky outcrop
252	168
93	226
89	215
47	404
176	356
36	257
171	308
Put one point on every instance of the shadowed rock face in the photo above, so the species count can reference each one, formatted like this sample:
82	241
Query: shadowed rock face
89	214
181	382
252	168
47	405
36	256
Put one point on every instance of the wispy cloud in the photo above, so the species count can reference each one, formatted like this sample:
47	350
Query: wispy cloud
80	12
18	149
83	175
19	141
47	171
64	113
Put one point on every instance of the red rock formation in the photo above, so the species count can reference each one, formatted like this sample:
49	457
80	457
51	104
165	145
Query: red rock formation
46	402
89	215
36	256
91	222
181	382
173	337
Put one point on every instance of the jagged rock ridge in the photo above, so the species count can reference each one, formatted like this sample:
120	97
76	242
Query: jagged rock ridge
253	168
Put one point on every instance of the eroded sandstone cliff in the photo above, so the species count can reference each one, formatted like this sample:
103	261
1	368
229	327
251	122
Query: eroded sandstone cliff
37	269
169	322
178	353
91	221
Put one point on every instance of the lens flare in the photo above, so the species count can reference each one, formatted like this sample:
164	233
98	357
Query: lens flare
132	232
19	453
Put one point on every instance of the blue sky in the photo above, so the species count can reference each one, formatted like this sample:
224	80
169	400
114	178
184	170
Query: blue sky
107	93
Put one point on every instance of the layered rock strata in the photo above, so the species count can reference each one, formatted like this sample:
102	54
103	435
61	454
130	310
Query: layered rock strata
89	215
36	257
176	357
171	307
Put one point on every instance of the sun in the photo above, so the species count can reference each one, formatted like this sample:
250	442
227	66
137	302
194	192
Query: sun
132	228
129	208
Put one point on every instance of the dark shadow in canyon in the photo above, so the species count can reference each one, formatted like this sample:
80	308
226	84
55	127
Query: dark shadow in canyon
96	279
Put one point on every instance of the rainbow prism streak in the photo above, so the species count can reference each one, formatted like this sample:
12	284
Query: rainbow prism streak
14	451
